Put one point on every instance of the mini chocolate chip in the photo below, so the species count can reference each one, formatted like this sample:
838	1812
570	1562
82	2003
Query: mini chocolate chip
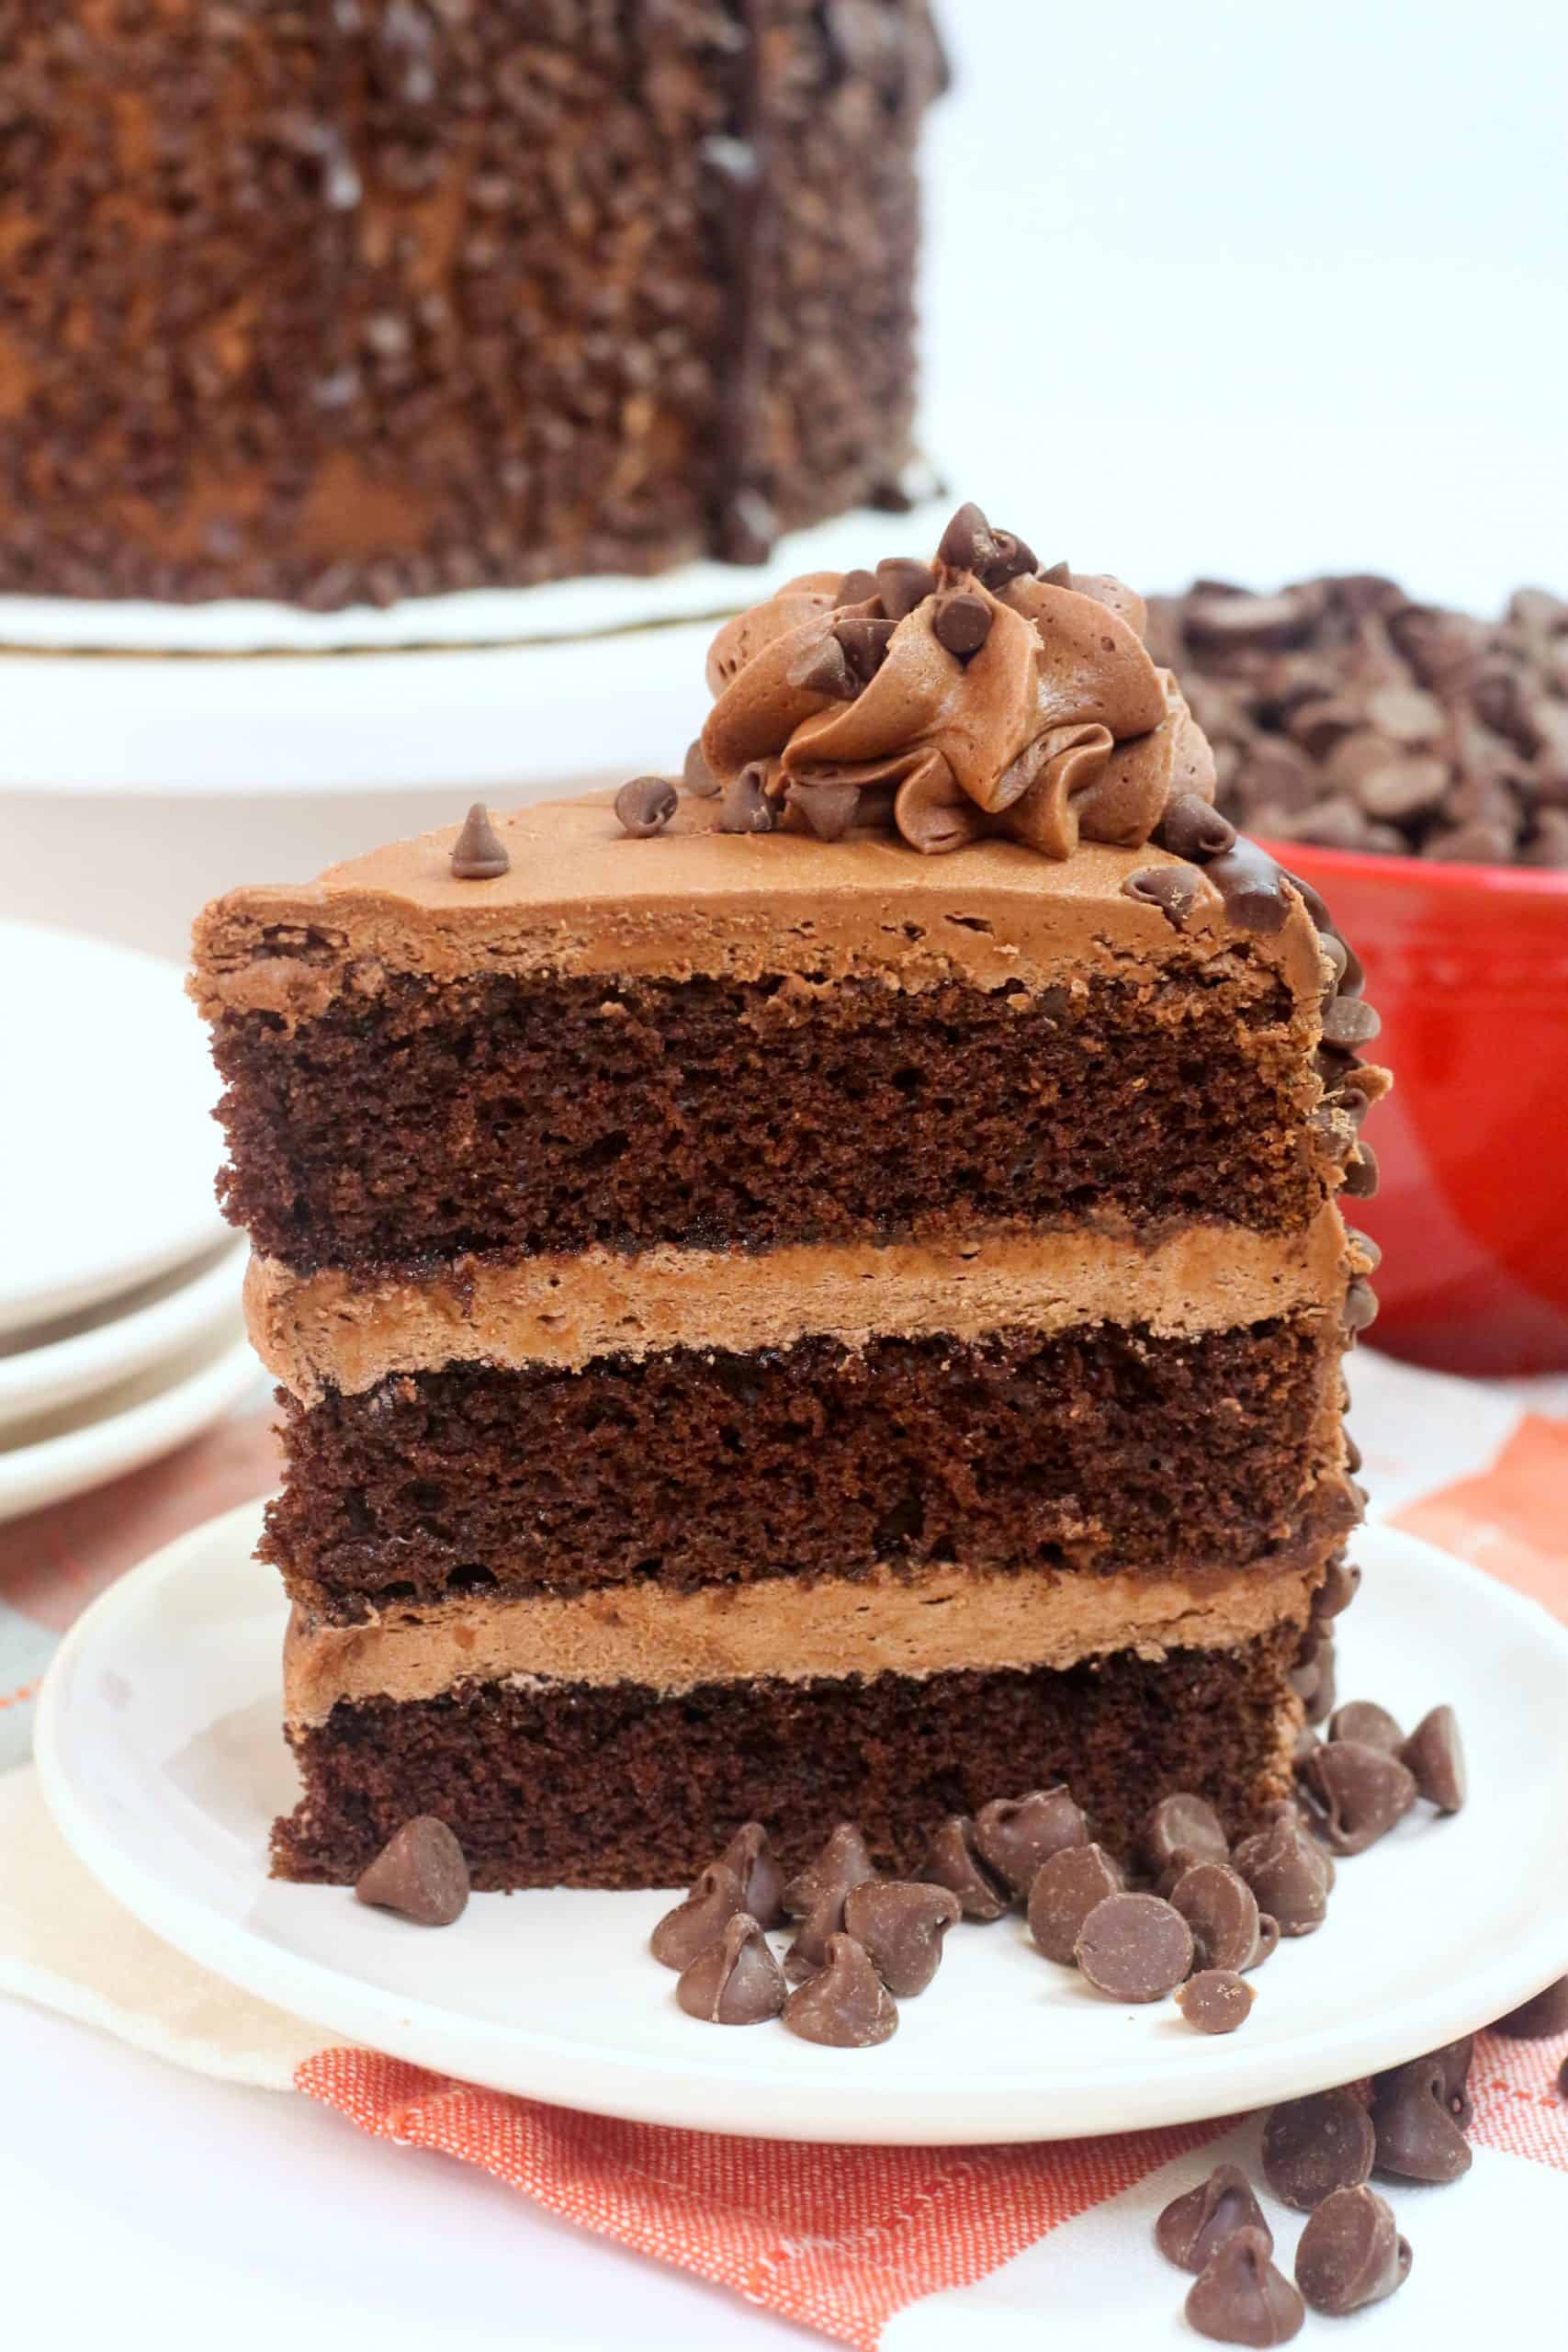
1341	1581
1311	2146
967	541
1362	1173
1368	1725
1348	1022
815	1897
1360	1307
1312	1678
1010	558
1056	575
859	587
1435	1754
1215	2000
845	2003
646	805
1192	829
1350	2254
697	774
1252	886
1240	2298
962	623
1363	1791
824	669
736	1981
1196	2225
1172	888
1065	1892
829	806
745	807
904	584
1288	1871
1183	1824
951	1861
750	1856
419	1872
865	644
1015	1835
1453	2061
1534	2021
478	853
901	1922
700	1920
1417	2135
1134	1947
1222	1911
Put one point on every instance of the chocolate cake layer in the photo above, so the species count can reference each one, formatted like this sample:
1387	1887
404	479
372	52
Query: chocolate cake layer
574	1786
335	302
510	1114
1095	1450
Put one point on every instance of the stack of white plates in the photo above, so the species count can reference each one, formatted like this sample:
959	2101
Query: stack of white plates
120	1330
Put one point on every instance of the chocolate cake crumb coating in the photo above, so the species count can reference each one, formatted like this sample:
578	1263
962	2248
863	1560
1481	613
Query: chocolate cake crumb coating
338	303
502	1114
582	1787
1092	1451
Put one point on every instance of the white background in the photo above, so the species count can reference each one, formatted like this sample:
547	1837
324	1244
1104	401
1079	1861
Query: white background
1225	285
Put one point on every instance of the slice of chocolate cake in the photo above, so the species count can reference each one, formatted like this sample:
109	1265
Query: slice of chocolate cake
775	1325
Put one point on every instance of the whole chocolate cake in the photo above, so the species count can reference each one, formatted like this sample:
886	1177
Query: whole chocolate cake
368	299
776	1325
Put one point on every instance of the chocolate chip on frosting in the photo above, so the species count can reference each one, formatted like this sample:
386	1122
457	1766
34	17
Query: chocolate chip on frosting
1349	1022
1311	2146
1288	1873
1195	2225
744	807
419	1872
903	583
700	1920
1172	888
1350	2254
1192	829
823	668
646	805
1215	2000
1434	1753
749	1854
478	853
1016	1835
1134	1947
1065	1892
864	642
902	1924
1240	2298
953	1860
736	1981
827	806
845	2003
1222	1911
967	542
697	774
962	623
1252	886
857	587
1415	2130
1363	1791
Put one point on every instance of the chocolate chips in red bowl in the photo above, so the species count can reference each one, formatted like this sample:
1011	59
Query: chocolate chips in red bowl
1411	764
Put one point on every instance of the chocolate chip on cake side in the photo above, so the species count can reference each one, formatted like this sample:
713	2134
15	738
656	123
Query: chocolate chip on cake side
727	1282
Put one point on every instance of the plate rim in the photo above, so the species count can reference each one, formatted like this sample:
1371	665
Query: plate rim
218	1381
152	1332
647	2087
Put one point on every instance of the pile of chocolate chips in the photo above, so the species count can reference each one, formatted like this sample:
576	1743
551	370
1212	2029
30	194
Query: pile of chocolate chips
1343	713
1184	1916
1318	2158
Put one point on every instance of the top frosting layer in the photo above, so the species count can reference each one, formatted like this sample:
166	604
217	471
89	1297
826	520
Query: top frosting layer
971	697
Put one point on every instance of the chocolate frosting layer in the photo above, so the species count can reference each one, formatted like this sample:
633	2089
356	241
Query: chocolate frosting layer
998	701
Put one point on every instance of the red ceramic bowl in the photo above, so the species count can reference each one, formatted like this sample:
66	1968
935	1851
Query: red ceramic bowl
1468	964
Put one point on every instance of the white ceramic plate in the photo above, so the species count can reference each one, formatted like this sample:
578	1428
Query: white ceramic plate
105	1179
136	1421
42	1371
161	1756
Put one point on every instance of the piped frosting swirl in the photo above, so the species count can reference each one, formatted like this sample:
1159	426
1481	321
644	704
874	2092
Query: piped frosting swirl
976	695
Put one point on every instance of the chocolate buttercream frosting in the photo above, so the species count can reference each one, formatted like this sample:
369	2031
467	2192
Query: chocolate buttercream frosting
976	696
